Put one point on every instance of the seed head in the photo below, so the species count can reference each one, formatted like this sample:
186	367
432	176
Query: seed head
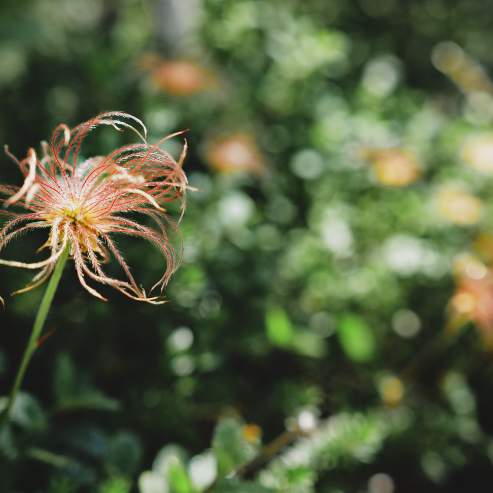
84	204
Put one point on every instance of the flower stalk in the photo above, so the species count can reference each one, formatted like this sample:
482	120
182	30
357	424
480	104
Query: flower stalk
39	322
82	204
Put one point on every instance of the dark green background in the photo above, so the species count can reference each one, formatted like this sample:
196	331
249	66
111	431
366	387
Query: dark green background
281	322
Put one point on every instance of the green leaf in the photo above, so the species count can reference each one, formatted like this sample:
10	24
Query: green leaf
61	485
115	485
64	381
90	400
74	392
51	458
356	338
26	412
303	477
309	344
178	479
124	454
230	446
166	457
280	331
7	443
170	464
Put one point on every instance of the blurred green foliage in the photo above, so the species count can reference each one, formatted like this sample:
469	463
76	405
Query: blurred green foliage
336	252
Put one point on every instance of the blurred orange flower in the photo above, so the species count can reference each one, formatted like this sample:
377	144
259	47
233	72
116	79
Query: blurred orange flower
473	297
252	433
234	153
393	167
483	245
391	389
178	77
477	152
458	206
466	72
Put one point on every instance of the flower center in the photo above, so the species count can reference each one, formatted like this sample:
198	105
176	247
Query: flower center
75	214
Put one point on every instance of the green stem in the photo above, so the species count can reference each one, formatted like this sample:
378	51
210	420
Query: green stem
32	344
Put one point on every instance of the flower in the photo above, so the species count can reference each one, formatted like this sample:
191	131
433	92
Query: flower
473	297
477	152
83	204
393	167
179	77
235	153
456	205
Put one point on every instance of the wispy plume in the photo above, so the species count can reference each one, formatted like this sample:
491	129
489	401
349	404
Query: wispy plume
83	205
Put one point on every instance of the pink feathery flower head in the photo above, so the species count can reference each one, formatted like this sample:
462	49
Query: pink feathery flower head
83	204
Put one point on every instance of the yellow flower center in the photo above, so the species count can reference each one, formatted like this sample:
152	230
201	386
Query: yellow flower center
76	214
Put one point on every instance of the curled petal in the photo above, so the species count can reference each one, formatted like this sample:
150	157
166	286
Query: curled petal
39	279
29	181
79	263
4	240
147	196
35	265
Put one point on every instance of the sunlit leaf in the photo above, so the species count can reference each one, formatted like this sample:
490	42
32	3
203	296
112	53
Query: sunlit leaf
356	338
26	412
230	445
179	480
115	485
280	331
